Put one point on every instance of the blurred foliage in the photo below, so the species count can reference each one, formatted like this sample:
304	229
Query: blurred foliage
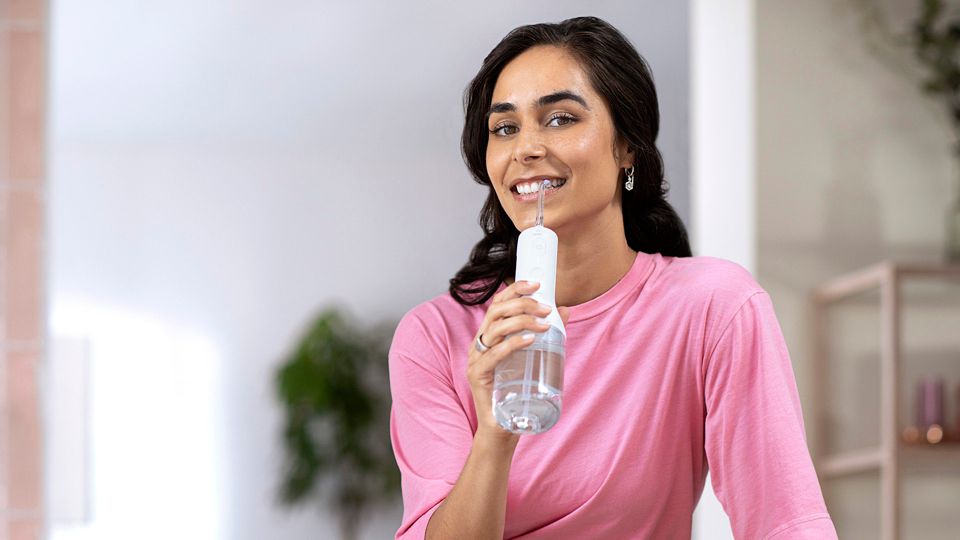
936	41
335	392
926	51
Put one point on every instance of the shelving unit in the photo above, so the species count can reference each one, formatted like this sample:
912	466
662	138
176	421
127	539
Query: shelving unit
891	457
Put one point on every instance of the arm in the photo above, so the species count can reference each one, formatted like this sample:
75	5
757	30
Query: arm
476	505
454	476
454	481
754	439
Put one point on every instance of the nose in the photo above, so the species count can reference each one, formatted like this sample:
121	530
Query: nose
529	148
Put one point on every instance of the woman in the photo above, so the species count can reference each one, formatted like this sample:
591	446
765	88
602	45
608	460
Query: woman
674	363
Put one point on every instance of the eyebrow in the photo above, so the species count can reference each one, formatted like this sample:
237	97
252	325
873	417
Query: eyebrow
543	101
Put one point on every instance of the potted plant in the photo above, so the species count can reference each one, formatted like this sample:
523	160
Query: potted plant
335	393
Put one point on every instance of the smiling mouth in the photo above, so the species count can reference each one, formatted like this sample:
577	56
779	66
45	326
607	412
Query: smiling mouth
528	186
534	195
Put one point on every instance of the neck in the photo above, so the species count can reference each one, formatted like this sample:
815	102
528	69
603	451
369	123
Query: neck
591	259
587	267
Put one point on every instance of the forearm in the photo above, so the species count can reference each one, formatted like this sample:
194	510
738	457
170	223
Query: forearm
477	504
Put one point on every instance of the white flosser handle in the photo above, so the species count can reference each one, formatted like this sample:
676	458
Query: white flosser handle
537	261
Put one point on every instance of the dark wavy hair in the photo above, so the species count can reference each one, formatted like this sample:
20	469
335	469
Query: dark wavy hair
622	77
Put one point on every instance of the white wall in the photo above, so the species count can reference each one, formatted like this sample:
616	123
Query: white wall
221	170
723	179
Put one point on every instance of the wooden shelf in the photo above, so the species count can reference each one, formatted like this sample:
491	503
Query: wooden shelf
846	463
892	457
915	458
874	276
931	458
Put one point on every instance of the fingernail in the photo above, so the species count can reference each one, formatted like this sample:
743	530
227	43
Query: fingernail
541	320
545	306
527	336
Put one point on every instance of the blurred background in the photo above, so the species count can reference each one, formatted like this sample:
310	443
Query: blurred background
188	190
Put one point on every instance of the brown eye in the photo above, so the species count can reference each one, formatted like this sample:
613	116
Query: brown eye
563	118
496	130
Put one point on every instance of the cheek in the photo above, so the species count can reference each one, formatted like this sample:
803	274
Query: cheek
497	158
588	154
497	161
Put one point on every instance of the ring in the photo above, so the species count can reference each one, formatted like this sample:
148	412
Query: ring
478	344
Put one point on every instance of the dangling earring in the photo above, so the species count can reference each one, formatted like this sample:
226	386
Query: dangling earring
629	184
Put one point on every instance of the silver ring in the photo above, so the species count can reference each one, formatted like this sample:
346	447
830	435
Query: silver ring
478	344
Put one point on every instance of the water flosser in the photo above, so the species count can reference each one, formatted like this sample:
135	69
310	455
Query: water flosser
528	383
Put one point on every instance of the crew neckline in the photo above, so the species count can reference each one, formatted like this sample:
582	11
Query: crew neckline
638	274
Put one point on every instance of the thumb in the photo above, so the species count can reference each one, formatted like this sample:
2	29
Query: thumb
564	314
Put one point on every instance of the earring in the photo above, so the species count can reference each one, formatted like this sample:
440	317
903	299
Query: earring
629	184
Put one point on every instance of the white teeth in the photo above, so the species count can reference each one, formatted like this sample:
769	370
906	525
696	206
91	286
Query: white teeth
533	187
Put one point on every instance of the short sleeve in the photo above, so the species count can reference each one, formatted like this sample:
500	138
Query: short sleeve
429	428
754	438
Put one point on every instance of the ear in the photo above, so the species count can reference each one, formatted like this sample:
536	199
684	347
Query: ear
623	153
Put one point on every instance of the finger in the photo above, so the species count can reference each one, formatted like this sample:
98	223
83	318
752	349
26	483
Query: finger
504	327
515	290
517	306
488	361
509	309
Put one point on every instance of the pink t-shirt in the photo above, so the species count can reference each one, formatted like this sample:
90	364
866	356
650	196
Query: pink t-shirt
679	366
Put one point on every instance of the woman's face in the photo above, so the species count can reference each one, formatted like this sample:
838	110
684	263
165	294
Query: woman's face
546	121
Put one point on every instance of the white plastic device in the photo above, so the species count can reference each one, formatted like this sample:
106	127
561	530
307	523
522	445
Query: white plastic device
537	261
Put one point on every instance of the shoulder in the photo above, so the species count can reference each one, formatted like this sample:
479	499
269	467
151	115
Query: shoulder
709	289
709	278
720	297
429	324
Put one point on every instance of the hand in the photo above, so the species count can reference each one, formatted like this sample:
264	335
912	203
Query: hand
510	313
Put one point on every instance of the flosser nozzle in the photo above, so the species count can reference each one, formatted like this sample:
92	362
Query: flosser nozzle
543	187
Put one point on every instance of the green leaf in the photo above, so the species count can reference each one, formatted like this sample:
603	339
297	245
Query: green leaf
334	389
